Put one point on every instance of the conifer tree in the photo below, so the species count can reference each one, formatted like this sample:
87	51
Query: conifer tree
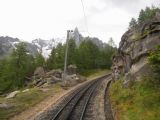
133	23
51	61
39	60
71	51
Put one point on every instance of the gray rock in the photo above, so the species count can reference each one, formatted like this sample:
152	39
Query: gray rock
39	72
53	80
41	83
71	69
26	90
128	80
12	94
5	106
55	72
44	89
36	81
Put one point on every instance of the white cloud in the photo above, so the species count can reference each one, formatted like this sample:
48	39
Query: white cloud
30	19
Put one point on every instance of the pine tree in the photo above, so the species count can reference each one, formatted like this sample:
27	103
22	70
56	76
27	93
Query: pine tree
111	42
71	51
60	52
133	23
51	61
39	60
88	52
147	14
141	17
17	68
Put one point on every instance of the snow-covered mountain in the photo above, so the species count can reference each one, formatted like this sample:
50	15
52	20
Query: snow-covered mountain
45	46
36	46
8	43
42	46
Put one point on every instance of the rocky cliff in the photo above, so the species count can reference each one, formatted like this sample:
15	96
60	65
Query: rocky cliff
131	58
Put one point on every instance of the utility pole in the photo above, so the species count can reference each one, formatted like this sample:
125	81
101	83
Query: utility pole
66	54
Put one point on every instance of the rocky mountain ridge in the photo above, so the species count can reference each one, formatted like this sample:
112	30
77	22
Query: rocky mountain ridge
131	59
8	43
79	38
41	46
35	46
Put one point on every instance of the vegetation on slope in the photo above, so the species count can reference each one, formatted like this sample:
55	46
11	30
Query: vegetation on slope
142	100
25	100
154	60
16	68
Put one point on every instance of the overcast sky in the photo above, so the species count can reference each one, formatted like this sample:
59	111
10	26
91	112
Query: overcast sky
46	19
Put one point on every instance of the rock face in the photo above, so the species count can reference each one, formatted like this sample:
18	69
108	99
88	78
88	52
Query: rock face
131	59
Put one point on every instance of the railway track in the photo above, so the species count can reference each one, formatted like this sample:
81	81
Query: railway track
74	106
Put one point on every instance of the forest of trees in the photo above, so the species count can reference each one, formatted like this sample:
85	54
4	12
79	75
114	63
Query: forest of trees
15	68
20	65
86	57
144	15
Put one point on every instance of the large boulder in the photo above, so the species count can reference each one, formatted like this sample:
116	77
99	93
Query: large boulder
39	72
55	72
72	69
42	78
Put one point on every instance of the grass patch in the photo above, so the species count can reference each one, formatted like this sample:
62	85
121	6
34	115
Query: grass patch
140	102
21	102
97	73
25	100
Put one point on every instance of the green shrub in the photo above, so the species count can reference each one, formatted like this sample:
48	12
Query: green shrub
139	102
154	60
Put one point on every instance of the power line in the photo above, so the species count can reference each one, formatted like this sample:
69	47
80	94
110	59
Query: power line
85	18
